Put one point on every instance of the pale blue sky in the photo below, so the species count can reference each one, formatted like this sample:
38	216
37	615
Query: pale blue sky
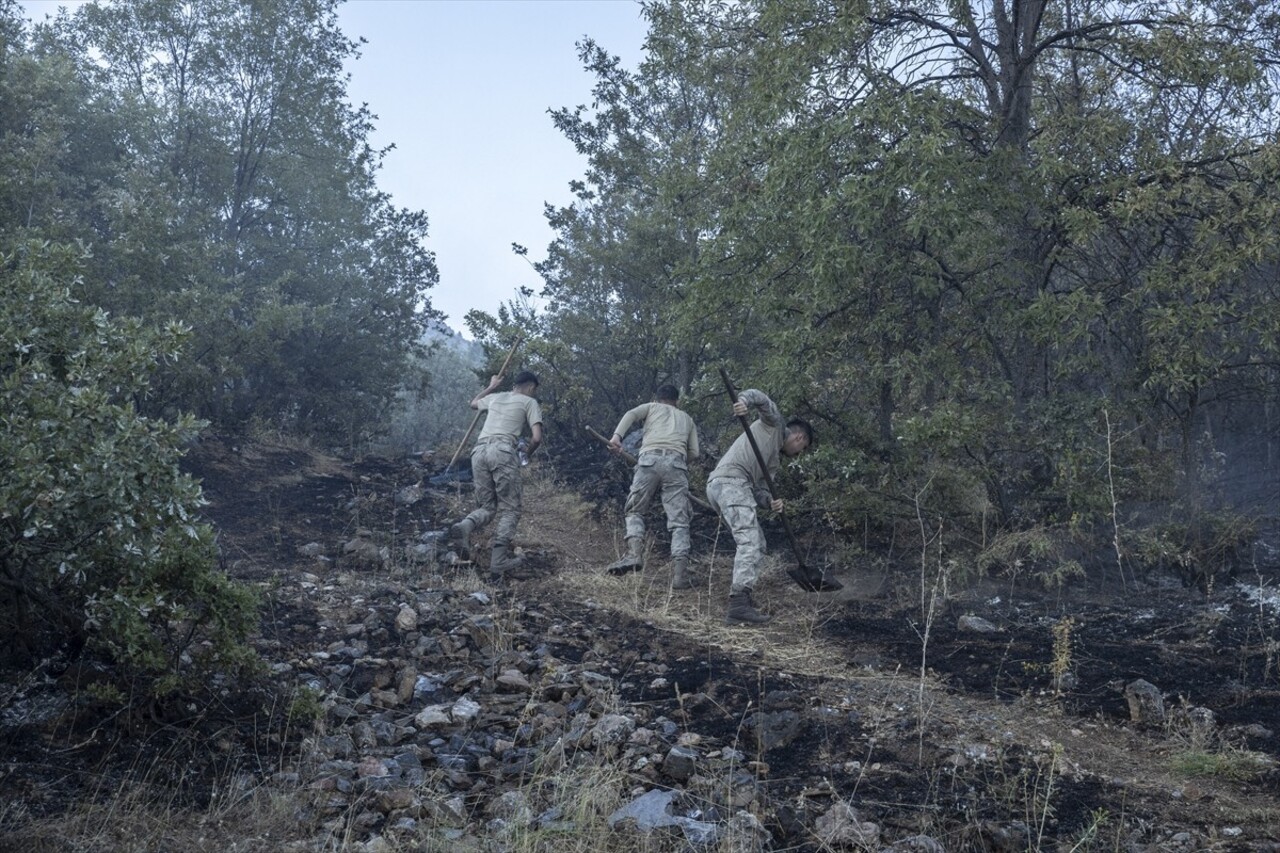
462	89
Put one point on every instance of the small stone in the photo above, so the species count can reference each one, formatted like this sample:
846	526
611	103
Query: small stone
976	625
406	619
680	763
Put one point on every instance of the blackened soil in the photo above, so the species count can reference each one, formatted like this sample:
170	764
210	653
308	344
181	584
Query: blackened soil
1219	652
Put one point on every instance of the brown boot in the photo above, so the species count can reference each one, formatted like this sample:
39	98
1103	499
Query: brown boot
632	562
501	560
742	610
680	574
460	536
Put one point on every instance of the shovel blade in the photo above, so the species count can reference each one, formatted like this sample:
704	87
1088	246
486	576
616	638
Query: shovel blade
813	581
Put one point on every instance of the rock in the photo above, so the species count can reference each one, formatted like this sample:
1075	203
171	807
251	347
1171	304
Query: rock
433	716
420	552
409	496
842	826
613	729
776	730
311	549
366	553
513	681
406	619
745	834
512	807
652	811
680	763
394	799
465	710
971	624
1146	703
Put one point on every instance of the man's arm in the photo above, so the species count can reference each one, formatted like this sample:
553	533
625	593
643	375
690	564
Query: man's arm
535	439
494	382
640	412
769	412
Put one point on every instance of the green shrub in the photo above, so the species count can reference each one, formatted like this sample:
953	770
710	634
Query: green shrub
101	546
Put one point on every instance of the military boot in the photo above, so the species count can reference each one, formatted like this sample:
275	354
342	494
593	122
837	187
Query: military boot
501	560
680	578
632	562
460	536
742	610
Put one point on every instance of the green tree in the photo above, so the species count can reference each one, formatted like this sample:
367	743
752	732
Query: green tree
618	322
101	547
235	189
970	227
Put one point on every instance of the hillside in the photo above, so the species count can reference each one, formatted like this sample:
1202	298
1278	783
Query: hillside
566	709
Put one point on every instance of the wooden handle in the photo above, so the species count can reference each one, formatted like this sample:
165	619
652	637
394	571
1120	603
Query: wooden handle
631	460
502	372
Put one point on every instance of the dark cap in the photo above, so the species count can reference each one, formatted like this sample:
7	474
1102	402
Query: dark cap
525	377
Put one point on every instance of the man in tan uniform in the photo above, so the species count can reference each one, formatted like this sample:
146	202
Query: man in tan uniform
670	441
737	487
495	467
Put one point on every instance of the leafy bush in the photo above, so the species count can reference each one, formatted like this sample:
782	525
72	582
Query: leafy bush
101	548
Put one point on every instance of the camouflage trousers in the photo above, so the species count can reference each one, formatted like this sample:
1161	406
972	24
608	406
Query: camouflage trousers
736	503
495	469
666	471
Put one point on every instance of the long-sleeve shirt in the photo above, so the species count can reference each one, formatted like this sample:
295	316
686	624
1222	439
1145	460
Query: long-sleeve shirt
665	428
739	461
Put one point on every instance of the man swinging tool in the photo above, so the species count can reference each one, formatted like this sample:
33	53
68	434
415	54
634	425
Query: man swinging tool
670	441
495	467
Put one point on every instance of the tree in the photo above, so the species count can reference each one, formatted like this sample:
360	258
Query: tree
101	547
952	216
618	321
235	189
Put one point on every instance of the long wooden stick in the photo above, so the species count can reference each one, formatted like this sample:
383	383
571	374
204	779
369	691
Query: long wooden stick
631	460
806	577
502	372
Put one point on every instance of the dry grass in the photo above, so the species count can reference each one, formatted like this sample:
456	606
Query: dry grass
792	641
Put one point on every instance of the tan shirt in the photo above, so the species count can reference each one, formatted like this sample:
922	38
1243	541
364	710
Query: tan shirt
665	428
739	461
508	414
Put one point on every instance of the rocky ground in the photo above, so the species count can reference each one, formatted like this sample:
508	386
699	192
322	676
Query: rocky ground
919	709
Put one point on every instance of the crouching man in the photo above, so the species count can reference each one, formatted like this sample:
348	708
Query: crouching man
736	488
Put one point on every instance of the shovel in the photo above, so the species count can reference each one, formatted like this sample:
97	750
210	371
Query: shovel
810	579
631	460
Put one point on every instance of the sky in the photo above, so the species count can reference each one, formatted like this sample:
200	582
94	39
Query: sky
461	88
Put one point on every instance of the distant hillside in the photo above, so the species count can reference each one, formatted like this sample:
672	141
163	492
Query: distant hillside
469	351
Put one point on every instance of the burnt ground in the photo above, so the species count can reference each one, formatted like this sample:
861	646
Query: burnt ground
1019	738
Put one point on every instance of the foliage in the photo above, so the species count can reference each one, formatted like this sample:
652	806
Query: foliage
1197	547
207	152
1022	265
101	548
433	412
1236	764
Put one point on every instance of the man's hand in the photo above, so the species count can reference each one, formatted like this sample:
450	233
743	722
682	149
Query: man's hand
740	408
776	505
615	444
